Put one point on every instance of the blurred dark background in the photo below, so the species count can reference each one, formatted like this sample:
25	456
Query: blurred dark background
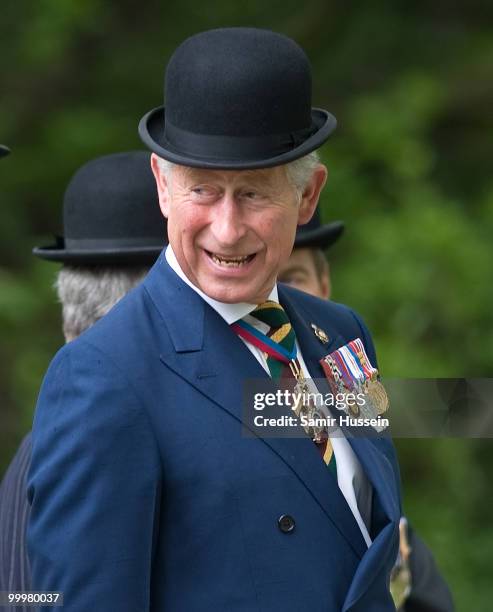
409	172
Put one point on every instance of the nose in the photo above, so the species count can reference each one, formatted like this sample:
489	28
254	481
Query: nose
228	226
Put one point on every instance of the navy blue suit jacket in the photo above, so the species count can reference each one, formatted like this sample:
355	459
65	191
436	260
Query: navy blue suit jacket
429	593
146	496
15	573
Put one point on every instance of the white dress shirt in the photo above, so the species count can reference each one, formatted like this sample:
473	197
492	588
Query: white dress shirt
351	478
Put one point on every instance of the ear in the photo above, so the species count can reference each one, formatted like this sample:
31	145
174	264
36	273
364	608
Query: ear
311	194
162	185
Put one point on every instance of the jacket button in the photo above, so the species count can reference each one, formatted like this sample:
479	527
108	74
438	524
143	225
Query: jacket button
286	523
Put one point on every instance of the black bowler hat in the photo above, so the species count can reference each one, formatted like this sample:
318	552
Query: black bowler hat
314	235
111	214
4	150
236	98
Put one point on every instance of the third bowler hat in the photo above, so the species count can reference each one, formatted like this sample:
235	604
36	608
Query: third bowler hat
315	235
236	98
111	214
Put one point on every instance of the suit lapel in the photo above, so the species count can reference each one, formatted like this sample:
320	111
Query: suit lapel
211	358
311	347
376	465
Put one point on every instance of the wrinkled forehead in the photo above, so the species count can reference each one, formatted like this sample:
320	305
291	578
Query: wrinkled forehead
263	177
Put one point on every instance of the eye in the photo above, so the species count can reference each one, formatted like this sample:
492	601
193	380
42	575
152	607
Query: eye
289	280
203	192
252	195
294	279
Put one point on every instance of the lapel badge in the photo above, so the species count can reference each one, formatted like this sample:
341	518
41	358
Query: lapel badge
321	335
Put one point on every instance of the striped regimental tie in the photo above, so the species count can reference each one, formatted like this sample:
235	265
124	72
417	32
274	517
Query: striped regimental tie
279	348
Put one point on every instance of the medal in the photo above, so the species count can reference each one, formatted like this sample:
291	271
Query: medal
349	371
377	395
305	406
321	335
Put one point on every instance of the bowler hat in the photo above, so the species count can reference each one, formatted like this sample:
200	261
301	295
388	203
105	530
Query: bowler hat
236	98
4	150
111	214
314	235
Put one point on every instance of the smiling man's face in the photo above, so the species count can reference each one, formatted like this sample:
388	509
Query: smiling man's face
232	230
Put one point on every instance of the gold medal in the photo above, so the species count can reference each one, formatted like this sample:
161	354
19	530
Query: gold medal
377	395
304	405
353	408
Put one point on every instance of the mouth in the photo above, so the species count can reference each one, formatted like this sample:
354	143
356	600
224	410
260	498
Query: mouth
230	262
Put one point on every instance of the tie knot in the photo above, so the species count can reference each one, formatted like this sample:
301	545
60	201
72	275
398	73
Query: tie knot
278	343
271	313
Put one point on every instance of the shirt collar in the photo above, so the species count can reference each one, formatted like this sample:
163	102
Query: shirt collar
229	312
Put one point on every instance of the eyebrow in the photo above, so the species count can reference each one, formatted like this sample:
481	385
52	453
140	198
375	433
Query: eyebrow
257	177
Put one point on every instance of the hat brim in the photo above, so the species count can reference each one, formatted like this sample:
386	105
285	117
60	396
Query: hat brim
123	257
151	131
4	150
320	238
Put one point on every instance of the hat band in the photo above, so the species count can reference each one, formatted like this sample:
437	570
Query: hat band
234	147
92	244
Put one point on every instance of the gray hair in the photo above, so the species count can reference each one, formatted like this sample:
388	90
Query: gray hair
298	171
87	294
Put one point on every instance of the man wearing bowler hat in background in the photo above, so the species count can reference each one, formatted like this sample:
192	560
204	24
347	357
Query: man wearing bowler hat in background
307	268
113	233
145	494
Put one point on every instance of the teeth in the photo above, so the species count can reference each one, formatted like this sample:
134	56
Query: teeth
233	262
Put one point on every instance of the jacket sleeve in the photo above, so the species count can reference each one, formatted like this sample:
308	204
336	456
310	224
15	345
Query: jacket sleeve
14	510
94	486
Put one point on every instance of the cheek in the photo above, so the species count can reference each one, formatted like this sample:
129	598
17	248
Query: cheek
186	222
283	233
279	227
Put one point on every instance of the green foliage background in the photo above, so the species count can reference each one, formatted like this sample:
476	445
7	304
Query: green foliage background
409	172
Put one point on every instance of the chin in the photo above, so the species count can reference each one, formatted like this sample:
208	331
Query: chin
229	295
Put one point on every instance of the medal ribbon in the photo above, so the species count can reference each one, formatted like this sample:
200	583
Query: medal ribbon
352	363
348	380
357	347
